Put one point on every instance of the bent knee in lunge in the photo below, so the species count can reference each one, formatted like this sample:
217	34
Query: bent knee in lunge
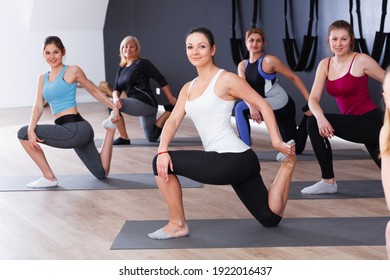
22	133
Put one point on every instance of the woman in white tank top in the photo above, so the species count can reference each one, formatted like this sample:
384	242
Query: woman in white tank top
209	100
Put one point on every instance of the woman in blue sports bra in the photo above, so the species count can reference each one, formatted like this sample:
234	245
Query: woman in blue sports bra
70	130
208	100
260	72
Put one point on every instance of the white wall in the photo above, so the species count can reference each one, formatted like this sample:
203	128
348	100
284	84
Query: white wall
24	24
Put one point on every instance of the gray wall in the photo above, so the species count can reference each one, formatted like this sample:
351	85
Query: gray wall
161	27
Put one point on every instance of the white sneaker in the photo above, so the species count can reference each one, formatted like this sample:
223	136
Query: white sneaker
42	183
320	187
107	123
280	156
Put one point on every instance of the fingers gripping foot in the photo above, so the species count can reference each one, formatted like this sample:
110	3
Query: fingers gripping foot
107	123
280	156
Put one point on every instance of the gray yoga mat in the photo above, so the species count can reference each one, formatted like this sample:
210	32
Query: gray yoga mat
142	142
345	189
89	182
338	154
243	233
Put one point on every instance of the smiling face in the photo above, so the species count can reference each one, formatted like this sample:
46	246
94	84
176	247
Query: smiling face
130	50
53	55
255	43
340	41
199	51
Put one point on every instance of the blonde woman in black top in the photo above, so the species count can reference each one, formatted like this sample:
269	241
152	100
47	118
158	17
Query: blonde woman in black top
133	76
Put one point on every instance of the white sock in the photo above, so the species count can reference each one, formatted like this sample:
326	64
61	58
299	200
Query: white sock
107	123
280	156
42	183
320	187
160	234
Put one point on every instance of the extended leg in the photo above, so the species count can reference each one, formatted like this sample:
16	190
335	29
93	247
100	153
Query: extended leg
106	150
106	88
301	135
162	119
278	192
135	107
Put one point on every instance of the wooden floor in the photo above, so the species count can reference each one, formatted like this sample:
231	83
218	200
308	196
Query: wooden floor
83	224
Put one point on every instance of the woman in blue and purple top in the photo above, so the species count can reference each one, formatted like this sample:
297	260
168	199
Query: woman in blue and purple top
260	71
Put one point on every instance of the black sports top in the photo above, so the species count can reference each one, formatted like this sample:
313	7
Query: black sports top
134	80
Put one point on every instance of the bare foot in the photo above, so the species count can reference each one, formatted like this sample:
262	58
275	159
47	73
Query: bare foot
290	161
278	192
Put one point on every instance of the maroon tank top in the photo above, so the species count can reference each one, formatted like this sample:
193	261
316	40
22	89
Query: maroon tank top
351	93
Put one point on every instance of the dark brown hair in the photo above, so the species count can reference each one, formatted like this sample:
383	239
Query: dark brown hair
56	41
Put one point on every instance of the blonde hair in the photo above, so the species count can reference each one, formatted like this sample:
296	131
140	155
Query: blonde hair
124	42
386	122
255	31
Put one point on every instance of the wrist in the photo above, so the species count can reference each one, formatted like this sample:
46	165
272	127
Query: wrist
162	152
305	108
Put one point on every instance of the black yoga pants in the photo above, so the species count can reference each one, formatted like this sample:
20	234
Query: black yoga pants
362	129
241	170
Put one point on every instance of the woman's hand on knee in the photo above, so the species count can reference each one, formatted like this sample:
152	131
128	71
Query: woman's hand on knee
164	162
33	140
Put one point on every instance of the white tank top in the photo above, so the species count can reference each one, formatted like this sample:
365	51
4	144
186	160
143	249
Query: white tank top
212	118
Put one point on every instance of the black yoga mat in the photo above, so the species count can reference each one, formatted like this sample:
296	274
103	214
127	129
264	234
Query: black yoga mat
243	233
142	142
88	182
338	154
345	189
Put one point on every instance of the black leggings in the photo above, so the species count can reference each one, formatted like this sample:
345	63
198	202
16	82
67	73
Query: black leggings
362	129
241	170
285	117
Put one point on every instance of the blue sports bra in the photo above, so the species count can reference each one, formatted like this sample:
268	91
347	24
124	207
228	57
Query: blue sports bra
267	76
58	93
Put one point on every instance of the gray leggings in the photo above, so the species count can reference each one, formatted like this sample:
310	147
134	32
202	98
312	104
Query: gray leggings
75	133
147	114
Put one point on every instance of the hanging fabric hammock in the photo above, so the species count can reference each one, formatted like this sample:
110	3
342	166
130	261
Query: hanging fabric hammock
380	38
301	60
236	44
254	22
360	43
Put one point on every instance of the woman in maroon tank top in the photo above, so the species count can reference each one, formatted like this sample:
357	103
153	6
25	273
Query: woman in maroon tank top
345	77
